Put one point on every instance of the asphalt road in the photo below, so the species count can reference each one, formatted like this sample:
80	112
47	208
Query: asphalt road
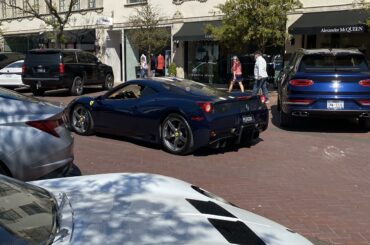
313	178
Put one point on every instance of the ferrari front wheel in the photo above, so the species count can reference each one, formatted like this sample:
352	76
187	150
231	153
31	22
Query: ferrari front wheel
177	137
81	120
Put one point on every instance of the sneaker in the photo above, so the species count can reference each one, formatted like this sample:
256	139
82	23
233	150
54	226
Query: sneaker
267	101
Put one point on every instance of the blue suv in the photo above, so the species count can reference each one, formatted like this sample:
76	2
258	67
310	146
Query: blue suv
325	83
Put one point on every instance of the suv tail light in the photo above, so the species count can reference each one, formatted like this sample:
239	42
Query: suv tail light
364	102
47	126
61	68
205	106
24	69
365	83
301	82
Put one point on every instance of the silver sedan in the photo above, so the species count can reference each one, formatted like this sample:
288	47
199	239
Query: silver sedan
34	141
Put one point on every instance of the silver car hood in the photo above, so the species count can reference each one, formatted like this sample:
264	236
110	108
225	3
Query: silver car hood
24	109
148	209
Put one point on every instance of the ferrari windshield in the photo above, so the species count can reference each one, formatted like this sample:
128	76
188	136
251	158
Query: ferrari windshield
27	213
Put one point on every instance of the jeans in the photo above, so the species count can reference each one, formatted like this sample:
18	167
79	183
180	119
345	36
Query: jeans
143	73
261	83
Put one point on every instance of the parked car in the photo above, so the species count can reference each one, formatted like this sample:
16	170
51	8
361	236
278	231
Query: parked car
64	68
128	209
9	57
34	139
325	83
11	75
180	114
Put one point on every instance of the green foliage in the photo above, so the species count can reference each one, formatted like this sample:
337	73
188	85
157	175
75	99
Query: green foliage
172	69
260	22
146	34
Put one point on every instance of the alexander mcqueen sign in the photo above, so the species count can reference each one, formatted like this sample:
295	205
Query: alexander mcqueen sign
346	29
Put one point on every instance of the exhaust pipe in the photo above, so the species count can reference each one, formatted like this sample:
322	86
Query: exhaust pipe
365	115
300	113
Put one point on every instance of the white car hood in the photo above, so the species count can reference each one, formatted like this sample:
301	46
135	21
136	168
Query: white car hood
149	209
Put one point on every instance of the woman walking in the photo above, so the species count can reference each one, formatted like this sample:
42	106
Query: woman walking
236	70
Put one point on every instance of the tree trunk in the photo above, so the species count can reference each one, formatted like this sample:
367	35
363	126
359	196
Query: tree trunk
58	38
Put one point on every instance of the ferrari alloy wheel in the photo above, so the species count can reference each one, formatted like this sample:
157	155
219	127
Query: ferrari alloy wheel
177	137
109	82
81	120
77	86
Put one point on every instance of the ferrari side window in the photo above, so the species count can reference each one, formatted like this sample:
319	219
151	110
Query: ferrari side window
132	91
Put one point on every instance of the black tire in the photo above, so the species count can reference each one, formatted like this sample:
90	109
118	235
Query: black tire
364	123
37	91
285	119
176	135
4	170
108	82
77	86
81	120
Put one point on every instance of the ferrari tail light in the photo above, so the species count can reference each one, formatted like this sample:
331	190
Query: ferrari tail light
365	83
61	68
205	106
364	102
24	69
301	82
299	102
47	126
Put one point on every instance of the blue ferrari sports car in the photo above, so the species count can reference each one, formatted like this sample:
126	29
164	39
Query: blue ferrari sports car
325	83
180	114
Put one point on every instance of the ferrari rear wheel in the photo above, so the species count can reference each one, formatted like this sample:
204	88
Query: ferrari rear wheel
177	137
81	120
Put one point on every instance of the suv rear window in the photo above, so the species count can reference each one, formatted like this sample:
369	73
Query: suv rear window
43	58
330	63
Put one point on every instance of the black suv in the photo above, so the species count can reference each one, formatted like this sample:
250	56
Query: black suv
45	69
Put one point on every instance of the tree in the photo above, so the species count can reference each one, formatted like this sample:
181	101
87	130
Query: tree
55	19
365	4
146	35
259	22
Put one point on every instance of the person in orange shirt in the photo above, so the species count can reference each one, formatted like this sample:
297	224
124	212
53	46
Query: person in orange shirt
160	64
236	70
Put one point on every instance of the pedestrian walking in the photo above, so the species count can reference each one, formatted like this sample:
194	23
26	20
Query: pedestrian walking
236	70
160	64
153	64
143	66
260	76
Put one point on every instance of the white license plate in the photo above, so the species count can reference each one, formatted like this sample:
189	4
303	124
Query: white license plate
40	69
247	119
335	104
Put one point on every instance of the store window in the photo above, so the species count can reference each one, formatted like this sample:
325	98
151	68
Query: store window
203	62
92	4
136	1
76	6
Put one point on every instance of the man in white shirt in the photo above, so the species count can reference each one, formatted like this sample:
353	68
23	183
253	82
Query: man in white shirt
260	75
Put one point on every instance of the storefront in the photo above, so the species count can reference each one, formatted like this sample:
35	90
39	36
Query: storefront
331	29
203	57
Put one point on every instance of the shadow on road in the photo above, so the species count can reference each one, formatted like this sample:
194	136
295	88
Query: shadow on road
320	125
62	92
202	152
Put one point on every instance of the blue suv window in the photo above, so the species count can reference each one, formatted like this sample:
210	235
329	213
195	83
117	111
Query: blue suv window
330	63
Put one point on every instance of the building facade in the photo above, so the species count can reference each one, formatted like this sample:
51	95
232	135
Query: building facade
328	24
102	27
